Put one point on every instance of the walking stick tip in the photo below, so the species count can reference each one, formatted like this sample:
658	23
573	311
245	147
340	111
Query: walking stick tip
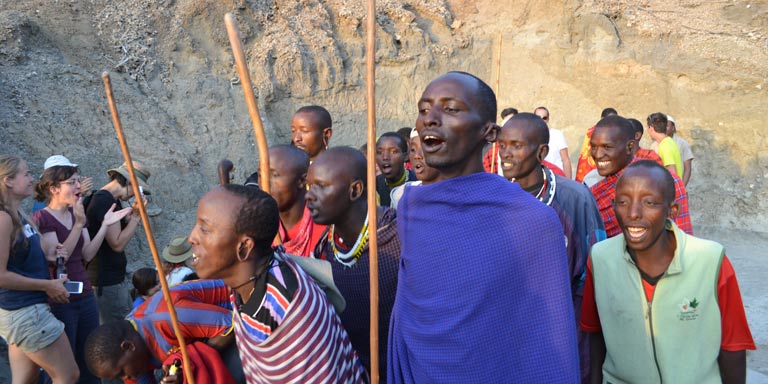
105	75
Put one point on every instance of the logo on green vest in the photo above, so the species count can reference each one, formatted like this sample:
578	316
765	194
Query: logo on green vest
688	310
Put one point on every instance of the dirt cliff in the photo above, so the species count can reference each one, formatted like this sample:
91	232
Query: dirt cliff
182	108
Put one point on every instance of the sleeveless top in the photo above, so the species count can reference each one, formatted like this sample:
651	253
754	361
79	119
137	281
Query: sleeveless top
26	260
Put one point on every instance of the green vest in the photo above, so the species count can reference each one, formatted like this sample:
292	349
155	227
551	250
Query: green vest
676	337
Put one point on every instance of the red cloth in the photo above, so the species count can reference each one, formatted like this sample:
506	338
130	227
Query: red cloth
302	238
605	190
735	329
491	163
207	366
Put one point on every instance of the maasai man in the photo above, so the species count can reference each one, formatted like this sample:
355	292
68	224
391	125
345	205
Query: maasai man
491	158
613	146
424	173
337	197
469	307
288	186
391	153
667	148
311	130
661	306
131	349
586	164
523	145
273	299
593	177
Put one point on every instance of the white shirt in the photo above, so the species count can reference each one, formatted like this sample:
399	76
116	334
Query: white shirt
556	143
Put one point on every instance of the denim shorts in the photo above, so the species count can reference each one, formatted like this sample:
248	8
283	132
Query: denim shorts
31	328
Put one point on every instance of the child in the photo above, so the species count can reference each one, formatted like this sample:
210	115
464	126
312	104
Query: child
661	305
146	283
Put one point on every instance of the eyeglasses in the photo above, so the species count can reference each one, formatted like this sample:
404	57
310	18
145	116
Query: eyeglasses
71	181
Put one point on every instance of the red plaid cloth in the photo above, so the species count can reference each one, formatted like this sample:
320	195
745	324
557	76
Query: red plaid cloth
647	154
605	190
492	166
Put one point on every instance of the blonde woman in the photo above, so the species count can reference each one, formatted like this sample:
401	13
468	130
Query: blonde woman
35	337
62	222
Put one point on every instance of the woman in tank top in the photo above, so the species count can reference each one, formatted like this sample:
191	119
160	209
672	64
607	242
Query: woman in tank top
35	337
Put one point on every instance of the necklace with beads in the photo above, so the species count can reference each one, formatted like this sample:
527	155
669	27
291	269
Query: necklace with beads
349	258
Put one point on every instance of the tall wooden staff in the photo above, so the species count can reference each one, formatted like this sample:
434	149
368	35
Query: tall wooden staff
250	99
253	108
495	145
370	71
147	228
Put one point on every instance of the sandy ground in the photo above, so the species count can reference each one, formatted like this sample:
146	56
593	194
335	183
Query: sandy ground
747	254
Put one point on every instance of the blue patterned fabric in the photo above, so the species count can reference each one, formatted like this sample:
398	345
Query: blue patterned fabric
483	290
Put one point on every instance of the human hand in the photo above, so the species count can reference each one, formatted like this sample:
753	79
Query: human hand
112	216
173	373
62	251
56	291
135	206
86	186
79	211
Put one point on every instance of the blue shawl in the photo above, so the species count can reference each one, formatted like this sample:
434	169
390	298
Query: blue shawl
483	289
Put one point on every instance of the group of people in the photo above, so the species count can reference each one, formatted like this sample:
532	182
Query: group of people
494	265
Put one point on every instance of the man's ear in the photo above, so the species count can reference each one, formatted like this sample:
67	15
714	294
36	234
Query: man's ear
127	345
356	190
543	152
302	181
631	144
490	132
244	248
674	209
327	133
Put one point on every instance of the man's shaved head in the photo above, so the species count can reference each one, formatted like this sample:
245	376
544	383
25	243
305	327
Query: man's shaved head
535	127
624	126
347	160
297	159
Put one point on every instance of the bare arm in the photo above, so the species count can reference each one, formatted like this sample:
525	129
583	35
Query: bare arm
687	169
118	238
733	366
596	357
221	342
91	246
566	163
10	280
671	168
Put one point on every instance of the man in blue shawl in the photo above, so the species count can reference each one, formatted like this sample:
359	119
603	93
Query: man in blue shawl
483	289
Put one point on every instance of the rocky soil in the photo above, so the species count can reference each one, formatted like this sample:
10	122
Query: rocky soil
704	62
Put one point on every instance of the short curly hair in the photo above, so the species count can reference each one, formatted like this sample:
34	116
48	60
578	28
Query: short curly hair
258	218
102	347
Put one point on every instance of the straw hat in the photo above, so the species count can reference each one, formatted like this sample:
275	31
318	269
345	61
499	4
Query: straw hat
178	251
142	174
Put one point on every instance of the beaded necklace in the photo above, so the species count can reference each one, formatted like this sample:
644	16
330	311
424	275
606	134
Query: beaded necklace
349	258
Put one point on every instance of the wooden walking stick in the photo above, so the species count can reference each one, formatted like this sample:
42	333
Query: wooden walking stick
495	145
253	108
250	99
373	247
225	170
147	228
